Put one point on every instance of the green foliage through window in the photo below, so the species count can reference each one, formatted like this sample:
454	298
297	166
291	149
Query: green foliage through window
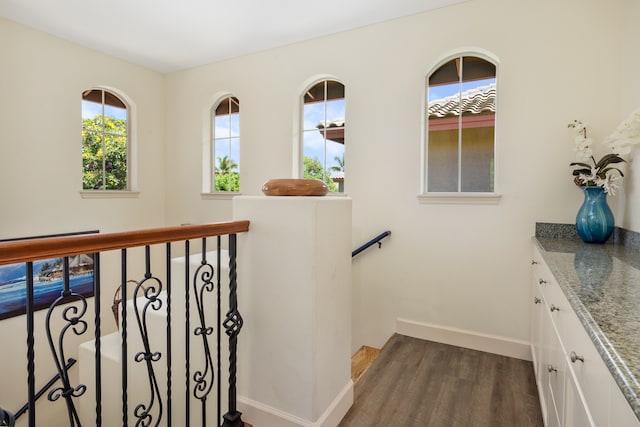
226	176
226	144
104	141
104	154
313	170
323	133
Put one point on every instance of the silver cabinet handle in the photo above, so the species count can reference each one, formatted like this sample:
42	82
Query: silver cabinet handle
554	308
550	369
542	282
574	357
536	300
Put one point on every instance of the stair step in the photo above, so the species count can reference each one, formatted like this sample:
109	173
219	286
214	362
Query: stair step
361	361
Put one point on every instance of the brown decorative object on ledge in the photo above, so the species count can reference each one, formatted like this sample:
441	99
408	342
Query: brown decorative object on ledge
294	187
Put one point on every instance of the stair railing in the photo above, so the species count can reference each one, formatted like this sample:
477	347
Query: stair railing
44	389
152	291
377	239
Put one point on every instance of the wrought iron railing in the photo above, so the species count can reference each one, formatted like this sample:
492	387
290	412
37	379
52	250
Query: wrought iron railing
150	394
377	239
44	389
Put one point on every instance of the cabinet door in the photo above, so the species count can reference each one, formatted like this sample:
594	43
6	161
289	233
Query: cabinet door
539	350
552	371
575	409
552	419
590	371
537	311
621	414
557	371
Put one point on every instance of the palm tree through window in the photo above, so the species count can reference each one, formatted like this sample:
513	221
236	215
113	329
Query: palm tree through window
226	145
323	133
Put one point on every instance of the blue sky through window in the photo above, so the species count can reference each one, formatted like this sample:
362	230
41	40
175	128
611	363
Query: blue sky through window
90	109
443	91
227	137
314	113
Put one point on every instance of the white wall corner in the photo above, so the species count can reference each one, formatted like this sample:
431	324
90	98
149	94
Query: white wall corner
463	338
258	414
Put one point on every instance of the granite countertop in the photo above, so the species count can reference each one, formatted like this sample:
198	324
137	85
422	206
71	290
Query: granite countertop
602	283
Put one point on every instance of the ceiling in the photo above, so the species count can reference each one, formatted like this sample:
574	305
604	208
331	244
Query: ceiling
171	35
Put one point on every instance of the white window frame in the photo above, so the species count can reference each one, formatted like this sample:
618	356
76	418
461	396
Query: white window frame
458	197
298	167
132	179
208	150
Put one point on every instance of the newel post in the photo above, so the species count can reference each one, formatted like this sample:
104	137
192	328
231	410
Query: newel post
295	266
232	325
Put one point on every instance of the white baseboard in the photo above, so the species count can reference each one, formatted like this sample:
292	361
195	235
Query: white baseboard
261	415
467	339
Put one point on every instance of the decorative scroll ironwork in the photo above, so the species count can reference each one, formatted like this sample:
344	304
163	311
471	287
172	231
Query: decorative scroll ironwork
203	282
148	290
68	319
74	322
43	390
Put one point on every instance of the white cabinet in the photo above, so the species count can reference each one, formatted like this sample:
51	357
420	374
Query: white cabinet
575	411
575	386
621	413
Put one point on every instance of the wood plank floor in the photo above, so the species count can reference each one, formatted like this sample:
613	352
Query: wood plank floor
426	384
362	360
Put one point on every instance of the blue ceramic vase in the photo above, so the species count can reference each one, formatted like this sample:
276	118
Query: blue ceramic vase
594	221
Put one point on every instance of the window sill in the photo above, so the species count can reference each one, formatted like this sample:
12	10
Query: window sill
460	198
109	194
219	195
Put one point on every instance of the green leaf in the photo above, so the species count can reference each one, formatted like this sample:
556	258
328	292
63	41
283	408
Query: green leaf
608	159
584	165
604	171
577	172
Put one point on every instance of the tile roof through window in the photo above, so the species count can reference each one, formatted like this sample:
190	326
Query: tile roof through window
475	101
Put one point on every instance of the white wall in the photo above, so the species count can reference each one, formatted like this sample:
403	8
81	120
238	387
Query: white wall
463	266
629	200
41	81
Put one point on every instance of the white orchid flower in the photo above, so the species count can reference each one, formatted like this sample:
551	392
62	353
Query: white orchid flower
608	183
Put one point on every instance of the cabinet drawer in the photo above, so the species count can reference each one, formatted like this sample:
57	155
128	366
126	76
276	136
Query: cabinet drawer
557	303
545	283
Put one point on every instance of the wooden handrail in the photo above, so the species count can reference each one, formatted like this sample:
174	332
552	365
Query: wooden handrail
56	247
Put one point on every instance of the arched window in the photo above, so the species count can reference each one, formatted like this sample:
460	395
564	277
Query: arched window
460	134
323	127
225	145
105	141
